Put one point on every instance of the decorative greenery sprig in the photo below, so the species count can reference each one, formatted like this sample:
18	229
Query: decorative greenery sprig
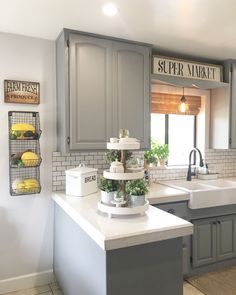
112	155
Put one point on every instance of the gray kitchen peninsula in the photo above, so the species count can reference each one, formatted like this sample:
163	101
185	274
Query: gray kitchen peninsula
97	255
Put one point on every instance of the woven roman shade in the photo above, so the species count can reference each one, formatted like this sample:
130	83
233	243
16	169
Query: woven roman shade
165	103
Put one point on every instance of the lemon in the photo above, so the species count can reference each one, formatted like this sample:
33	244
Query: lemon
22	127
30	159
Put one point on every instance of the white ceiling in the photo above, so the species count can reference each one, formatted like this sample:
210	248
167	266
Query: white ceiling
204	28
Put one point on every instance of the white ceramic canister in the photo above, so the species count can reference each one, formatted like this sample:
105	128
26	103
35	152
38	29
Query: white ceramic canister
116	167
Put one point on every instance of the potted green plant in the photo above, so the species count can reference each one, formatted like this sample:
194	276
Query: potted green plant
108	189
162	153
136	190
150	158
150	155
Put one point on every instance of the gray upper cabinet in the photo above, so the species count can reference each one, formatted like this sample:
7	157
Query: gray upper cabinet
102	85
233	107
90	92
131	89
223	111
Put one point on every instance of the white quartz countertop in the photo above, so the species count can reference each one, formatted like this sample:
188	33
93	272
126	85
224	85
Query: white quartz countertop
114	233
159	193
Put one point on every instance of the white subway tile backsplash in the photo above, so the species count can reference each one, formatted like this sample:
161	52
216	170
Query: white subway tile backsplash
221	161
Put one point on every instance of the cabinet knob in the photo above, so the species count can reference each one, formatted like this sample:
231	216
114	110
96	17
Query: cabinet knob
214	222
171	211
218	222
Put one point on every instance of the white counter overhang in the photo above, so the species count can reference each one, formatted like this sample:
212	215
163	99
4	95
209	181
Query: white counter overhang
155	225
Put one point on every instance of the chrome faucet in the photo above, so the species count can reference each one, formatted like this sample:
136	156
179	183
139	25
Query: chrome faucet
190	173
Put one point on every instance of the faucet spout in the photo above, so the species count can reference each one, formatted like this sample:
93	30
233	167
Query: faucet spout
190	173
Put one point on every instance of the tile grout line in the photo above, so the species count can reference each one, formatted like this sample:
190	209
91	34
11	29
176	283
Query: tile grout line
51	289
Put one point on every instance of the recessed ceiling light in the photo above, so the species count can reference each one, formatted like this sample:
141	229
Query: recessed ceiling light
110	9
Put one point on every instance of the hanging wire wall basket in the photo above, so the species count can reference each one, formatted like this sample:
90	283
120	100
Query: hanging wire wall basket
24	153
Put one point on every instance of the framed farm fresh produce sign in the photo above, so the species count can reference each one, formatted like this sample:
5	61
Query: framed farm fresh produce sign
21	92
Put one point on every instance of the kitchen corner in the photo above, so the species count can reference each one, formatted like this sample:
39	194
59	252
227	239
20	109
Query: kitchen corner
152	242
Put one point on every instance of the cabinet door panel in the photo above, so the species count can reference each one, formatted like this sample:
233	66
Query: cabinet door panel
233	107
90	92
226	237
131	84
204	245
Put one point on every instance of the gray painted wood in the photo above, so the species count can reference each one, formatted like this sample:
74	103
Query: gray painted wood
225	255
152	269
187	82
219	119
90	92
204	242
62	93
79	264
211	211
180	209
233	107
82	267
226	237
131	90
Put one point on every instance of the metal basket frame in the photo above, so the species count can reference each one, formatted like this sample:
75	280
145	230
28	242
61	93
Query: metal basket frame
22	142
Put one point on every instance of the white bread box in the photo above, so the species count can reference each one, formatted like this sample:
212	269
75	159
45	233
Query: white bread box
81	181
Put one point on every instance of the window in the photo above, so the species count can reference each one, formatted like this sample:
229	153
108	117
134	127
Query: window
169	125
176	130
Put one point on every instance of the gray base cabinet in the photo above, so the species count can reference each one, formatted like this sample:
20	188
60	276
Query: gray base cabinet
102	85
180	209
81	267
214	239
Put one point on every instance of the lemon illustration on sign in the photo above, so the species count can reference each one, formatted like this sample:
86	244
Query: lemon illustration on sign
30	159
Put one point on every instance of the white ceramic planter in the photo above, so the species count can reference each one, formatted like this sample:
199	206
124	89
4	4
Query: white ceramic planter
106	198
135	201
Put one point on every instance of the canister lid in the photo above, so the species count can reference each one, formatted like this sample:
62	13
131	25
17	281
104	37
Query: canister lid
81	169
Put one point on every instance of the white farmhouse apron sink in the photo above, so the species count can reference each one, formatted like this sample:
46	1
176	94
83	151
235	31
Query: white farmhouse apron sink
207	193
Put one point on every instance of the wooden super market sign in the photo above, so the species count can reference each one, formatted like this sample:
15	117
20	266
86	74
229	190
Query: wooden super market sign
186	69
21	92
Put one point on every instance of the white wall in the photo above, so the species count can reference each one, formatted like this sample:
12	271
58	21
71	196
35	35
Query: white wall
26	221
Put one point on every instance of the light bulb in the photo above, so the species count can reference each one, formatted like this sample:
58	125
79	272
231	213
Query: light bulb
182	107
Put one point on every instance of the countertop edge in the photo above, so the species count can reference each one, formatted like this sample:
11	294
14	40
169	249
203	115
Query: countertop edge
82	222
126	240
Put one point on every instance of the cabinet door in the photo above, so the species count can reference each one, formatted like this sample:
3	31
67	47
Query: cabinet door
131	90
204	242
233	107
90	92
226	237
